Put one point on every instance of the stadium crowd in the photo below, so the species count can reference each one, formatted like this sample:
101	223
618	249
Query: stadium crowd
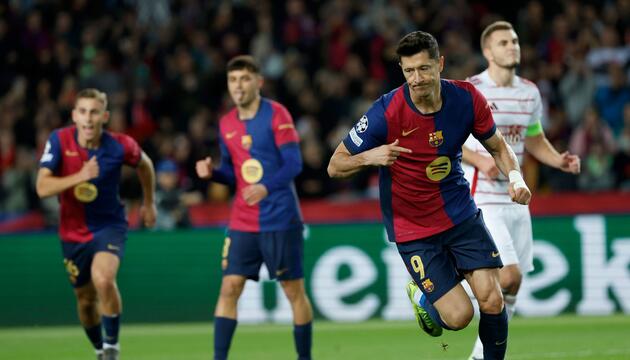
162	64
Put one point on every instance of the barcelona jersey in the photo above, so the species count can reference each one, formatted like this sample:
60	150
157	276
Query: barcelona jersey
81	217
253	150
424	193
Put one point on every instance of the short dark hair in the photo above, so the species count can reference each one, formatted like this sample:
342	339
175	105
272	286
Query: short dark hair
416	42
495	26
243	62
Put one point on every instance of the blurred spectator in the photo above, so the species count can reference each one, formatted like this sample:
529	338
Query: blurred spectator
611	98
171	201
163	62
577	88
594	142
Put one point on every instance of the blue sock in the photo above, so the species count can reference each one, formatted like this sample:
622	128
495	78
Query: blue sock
95	334
112	327
493	332
435	315
303	337
223	332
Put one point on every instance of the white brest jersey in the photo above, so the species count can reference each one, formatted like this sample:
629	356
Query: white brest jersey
515	109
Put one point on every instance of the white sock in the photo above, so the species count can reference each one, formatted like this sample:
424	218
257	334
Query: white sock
416	297
110	346
510	305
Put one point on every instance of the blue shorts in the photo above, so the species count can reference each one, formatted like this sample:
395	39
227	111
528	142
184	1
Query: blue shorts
281	251
437	263
77	257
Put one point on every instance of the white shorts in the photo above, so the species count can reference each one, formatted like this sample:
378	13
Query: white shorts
511	228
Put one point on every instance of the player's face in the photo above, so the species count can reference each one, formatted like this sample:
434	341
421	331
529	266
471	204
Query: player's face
503	49
244	86
422	73
89	115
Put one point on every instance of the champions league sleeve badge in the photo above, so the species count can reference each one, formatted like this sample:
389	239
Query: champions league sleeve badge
252	171
85	192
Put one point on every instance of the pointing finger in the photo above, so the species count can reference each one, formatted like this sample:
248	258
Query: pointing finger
401	149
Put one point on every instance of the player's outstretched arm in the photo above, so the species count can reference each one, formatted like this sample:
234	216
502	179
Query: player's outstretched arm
48	184
146	174
542	150
508	164
343	164
485	164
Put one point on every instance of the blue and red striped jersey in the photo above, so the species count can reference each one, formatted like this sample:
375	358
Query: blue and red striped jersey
424	193
254	149
64	156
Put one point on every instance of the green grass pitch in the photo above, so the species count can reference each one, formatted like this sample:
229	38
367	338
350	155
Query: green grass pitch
564	337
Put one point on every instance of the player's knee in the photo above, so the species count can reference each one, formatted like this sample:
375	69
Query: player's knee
86	300
460	319
293	291
510	283
231	289
492	303
102	280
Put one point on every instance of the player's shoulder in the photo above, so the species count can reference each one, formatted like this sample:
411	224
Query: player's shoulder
275	105
385	101
117	137
527	87
63	131
459	87
476	80
230	116
526	84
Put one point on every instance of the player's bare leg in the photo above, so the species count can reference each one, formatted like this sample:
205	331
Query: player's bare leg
510	278
89	316
493	327
302	316
87	305
300	304
455	308
225	314
231	290
104	271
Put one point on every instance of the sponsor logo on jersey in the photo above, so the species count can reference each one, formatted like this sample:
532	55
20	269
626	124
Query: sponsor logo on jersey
407	132
71	153
252	171
230	135
439	168
436	138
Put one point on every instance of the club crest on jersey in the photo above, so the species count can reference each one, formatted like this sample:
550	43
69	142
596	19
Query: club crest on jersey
428	285
246	142
436	139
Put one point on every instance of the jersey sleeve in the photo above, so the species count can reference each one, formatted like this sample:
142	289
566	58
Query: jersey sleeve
370	131
534	127
51	157
131	149
284	131
483	123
